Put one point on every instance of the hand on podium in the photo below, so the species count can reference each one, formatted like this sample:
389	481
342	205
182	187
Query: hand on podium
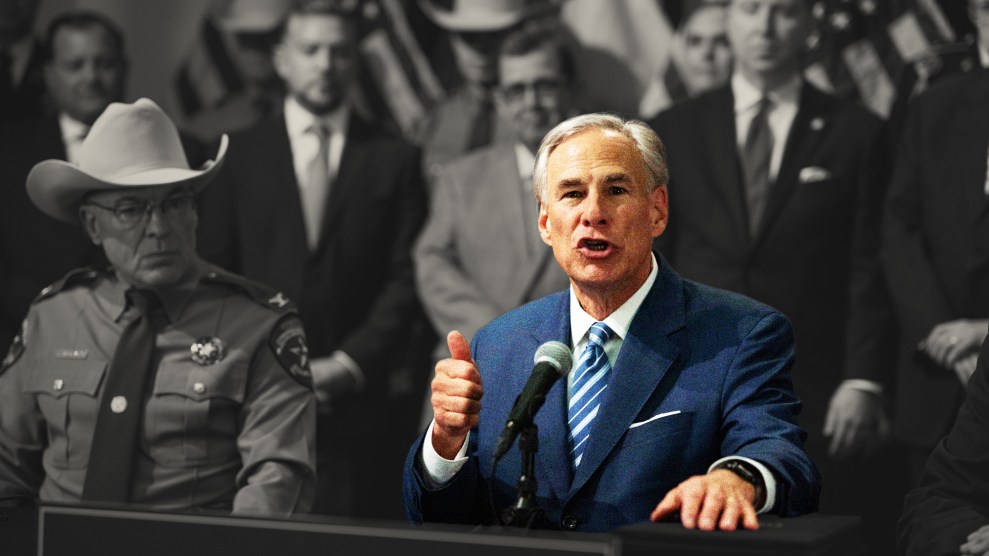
456	397
716	500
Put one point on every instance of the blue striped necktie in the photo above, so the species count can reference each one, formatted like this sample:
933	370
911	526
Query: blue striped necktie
590	381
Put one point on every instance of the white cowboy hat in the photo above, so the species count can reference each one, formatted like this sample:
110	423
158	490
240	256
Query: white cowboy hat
478	16
129	145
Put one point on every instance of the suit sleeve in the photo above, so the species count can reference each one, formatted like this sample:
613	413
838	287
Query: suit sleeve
277	439
870	342
760	414
919	301
448	294
952	500
374	340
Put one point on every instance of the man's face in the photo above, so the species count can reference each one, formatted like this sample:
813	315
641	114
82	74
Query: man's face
706	54
476	55
16	17
317	59
766	36
86	72
147	251
978	12
598	215
533	94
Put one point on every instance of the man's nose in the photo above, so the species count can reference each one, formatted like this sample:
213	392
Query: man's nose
595	210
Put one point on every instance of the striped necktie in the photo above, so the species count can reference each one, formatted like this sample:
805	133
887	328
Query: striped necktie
590	380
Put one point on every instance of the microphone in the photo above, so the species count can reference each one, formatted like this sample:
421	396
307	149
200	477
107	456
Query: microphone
552	361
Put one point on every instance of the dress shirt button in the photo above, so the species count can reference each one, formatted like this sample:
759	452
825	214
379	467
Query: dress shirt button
199	387
569	522
58	384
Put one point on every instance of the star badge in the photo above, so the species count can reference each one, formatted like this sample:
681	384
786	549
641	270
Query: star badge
207	350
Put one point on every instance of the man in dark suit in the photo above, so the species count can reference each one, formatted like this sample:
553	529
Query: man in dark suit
21	85
325	207
949	512
85	71
776	191
936	254
679	399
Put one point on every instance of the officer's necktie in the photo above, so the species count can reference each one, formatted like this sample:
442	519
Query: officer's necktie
587	390
116	439
317	185
756	155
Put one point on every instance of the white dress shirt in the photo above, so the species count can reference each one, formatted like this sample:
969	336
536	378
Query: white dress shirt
73	134
441	470
304	142
785	101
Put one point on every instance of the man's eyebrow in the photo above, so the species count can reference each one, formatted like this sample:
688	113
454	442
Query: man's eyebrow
569	183
616	176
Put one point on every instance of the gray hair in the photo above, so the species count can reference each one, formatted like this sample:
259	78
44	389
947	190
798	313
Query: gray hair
645	139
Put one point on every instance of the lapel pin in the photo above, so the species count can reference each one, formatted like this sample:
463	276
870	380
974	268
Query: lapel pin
817	124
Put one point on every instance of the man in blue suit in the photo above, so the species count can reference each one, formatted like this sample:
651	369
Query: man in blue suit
679	399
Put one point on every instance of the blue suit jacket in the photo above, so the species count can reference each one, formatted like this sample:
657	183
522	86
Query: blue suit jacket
719	358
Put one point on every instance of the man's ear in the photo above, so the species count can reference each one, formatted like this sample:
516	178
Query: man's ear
544	229
660	213
91	224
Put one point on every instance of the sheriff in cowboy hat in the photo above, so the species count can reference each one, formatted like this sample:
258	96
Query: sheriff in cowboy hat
163	380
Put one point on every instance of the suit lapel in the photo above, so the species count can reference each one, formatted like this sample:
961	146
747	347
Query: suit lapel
553	453
809	125
356	167
719	129
643	360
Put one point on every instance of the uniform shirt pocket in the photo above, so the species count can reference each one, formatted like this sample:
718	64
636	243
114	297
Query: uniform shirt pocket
67	393
193	413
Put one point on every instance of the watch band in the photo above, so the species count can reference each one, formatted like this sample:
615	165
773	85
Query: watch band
749	474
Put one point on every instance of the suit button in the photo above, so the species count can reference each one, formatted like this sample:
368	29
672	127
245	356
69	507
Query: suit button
569	522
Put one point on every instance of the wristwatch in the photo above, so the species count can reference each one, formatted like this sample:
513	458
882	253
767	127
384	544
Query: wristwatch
749	474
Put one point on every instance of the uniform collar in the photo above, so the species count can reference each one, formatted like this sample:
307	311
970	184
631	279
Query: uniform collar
174	299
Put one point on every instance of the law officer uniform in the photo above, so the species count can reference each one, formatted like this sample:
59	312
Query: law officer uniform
227	415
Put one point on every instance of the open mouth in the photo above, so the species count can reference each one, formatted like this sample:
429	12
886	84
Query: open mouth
592	246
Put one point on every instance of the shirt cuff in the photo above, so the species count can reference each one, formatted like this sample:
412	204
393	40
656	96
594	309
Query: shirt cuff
870	386
352	366
440	469
768	480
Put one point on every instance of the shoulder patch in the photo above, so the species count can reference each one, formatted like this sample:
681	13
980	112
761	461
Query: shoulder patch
79	276
15	351
288	342
260	293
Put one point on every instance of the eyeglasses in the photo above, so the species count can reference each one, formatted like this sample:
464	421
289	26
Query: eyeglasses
130	213
544	89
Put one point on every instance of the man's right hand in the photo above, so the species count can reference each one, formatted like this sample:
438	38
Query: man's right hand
456	397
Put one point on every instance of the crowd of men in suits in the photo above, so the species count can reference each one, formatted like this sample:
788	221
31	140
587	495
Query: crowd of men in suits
876	248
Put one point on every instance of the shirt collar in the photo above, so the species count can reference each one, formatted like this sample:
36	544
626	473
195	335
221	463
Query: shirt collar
72	129
298	120
174	299
620	320
747	95
526	161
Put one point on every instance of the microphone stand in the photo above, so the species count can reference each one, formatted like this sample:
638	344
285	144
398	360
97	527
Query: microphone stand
524	511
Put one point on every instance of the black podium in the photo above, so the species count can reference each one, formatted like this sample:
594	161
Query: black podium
74	530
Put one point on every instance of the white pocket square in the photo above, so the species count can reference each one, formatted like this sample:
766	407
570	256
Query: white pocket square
653	418
813	174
